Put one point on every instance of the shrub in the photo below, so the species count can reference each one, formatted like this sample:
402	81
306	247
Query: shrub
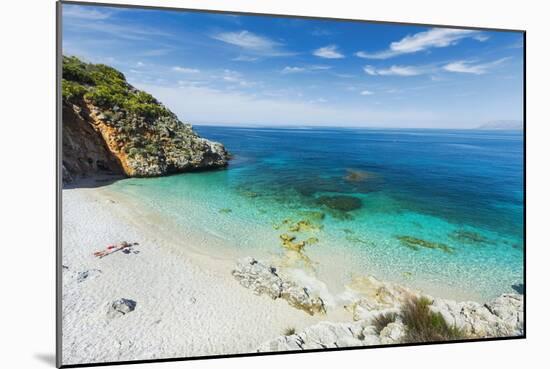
423	325
381	321
289	331
71	91
75	70
141	121
104	96
132	152
152	149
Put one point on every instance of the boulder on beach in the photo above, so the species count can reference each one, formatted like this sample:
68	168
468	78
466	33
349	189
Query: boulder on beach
265	279
121	307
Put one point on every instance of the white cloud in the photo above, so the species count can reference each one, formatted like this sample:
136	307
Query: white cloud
395	70
82	12
155	52
186	83
462	66
481	37
231	76
287	70
433	38
328	52
97	21
320	67
185	70
238	108
245	58
321	32
309	68
367	92
236	78
252	42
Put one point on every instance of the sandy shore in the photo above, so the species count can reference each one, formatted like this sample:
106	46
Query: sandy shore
187	304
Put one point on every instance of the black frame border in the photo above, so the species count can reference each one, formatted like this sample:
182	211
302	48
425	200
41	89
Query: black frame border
59	184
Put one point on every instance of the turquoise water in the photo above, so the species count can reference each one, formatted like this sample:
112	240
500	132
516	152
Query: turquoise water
440	210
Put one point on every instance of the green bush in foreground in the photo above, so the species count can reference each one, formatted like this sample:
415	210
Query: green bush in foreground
423	325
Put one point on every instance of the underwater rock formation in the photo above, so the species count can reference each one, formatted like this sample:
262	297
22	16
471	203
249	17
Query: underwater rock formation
340	202
416	243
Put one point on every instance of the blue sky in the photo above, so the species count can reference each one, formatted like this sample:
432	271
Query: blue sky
255	70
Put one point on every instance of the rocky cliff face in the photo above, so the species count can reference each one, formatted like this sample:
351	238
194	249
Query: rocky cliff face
109	127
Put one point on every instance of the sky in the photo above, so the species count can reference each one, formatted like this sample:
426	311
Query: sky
226	69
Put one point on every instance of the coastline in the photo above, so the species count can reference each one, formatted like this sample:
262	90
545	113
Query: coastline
187	302
183	308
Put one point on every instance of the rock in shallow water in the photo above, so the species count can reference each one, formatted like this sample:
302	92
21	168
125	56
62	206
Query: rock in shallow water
340	202
264	279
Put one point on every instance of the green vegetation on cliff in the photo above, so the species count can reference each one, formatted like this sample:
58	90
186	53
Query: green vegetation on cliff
107	88
146	137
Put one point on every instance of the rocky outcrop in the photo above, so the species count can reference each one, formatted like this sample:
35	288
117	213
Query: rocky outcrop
109	127
320	336
477	321
500	317
264	279
371	299
376	297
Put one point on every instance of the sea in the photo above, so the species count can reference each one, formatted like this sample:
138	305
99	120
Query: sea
437	210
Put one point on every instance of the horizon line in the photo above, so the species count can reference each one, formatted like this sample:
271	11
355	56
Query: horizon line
308	126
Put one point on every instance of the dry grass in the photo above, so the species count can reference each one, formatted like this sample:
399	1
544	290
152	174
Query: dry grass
289	331
422	325
382	320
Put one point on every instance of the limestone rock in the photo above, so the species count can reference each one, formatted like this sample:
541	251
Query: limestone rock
392	333
498	318
376	297
264	279
509	308
318	336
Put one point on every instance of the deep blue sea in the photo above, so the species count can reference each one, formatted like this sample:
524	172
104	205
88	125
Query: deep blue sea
439	210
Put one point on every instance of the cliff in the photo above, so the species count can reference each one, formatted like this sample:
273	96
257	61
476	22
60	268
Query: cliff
110	127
